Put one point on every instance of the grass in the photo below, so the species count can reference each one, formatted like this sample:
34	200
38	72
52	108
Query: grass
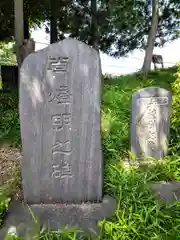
9	118
139	215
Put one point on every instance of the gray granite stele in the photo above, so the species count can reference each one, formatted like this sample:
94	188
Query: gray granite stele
60	124
150	122
62	168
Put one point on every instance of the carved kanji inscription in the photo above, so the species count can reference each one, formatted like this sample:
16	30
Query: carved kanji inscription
62	170
62	147
61	95
60	120
58	64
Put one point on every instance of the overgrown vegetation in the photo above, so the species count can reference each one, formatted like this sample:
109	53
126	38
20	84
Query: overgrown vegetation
4	201
7	56
139	215
9	117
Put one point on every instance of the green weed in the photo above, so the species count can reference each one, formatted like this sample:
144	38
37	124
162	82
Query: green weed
138	216
4	201
9	117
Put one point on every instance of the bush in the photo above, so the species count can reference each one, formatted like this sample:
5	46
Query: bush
175	119
4	201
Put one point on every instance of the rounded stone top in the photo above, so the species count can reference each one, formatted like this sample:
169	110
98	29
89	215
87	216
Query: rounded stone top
151	92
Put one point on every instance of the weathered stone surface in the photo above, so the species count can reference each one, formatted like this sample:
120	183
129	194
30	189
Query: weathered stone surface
150	122
167	191
55	216
60	124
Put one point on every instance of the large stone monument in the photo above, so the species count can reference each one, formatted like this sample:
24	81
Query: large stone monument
150	122
62	175
60	124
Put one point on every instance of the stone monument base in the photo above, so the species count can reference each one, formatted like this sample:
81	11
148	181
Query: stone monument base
52	216
167	191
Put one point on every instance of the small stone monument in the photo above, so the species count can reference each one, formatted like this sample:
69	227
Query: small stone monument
62	175
150	122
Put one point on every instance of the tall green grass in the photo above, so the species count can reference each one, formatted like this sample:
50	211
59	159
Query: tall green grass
138	216
9	117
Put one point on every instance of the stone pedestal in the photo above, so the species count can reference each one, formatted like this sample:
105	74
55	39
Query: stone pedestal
56	216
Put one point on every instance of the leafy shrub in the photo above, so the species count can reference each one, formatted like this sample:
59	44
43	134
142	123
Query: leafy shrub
4	201
175	119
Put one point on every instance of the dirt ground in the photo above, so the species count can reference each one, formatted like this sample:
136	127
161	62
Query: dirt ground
10	169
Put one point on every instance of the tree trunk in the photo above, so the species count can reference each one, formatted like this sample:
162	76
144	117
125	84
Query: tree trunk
27	48
26	27
19	28
151	39
53	22
94	26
